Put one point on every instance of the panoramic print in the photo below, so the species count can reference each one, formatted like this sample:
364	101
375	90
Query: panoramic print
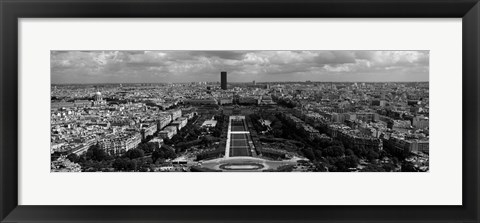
239	111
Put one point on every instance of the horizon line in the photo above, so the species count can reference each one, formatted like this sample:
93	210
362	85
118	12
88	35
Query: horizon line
241	82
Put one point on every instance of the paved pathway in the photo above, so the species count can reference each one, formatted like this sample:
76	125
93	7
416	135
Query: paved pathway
230	132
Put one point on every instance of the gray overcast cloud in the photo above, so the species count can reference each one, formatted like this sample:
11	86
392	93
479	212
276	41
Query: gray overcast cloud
242	66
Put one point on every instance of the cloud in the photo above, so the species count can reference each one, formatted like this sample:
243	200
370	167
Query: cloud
335	57
187	66
229	55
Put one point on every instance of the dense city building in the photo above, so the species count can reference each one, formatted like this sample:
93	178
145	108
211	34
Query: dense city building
118	119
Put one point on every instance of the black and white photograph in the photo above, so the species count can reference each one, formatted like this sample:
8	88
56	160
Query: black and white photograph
287	111
239	111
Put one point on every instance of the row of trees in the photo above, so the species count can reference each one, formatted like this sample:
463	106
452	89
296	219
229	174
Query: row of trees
330	155
96	159
162	154
148	147
217	131
202	142
333	155
146	155
207	141
135	159
94	153
286	102
276	125
126	164
326	154
256	123
188	133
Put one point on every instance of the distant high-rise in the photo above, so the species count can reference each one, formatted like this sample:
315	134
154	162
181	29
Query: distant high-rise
223	80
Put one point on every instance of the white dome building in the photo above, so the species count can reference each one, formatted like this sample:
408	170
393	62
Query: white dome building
98	96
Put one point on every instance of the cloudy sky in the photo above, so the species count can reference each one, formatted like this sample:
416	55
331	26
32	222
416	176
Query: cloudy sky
242	66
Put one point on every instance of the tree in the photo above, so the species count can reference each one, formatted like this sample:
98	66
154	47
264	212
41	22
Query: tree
163	153
320	167
97	154
217	132
324	143
349	152
408	167
359	151
146	165
395	160
168	141
169	154
373	168
82	159
371	155
334	151
277	124
55	156
382	154
120	164
73	157
207	140
351	161
156	155
148	147
308	153
132	165
341	165
287	103
136	153
389	167
148	138
336	143
318	154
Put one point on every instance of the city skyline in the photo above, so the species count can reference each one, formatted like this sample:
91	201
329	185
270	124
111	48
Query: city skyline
124	67
239	111
292	127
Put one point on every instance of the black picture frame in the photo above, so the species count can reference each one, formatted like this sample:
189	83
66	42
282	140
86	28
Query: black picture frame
12	10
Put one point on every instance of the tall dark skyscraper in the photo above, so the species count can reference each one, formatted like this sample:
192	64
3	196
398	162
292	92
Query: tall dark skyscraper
223	80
